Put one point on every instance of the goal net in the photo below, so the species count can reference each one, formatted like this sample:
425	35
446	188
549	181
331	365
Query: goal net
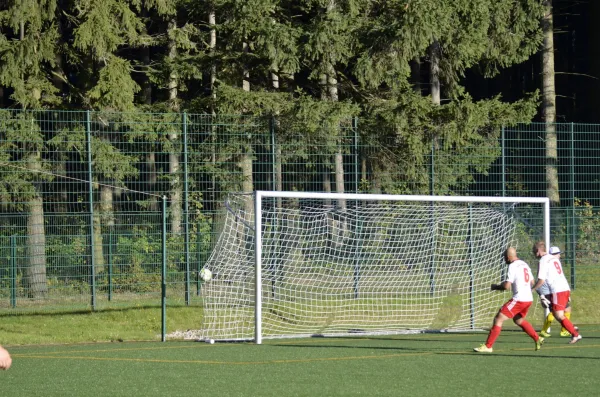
291	264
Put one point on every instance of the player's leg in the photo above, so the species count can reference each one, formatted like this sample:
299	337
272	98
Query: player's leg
548	317
496	329
565	322
545	332
526	326
503	314
563	331
493	334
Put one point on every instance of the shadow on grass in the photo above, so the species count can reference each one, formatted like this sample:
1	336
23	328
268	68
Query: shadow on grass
90	311
534	355
398	348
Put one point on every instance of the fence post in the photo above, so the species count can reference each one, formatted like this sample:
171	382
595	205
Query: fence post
274	158
503	153
199	259
432	170
110	263
356	156
573	231
13	271
88	137
470	257
186	228
163	275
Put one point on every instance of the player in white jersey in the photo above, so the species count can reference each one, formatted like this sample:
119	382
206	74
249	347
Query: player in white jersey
546	302
550	272
519	279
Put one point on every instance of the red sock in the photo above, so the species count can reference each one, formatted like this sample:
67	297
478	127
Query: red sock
493	335
569	327
526	326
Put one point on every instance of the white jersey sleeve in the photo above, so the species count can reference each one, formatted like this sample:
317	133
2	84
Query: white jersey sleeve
551	270
520	276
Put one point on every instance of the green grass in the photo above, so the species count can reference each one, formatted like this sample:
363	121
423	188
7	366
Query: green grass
143	322
421	364
54	356
133	324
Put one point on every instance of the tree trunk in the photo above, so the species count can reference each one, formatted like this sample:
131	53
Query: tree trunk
176	188
333	96
58	80
151	175
436	97
104	217
278	168
549	105
146	85
246	160
434	72
212	22
146	95
326	181
35	280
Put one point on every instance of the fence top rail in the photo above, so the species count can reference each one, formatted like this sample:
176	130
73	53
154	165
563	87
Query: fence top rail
399	197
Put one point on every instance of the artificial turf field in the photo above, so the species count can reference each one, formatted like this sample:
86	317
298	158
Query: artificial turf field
440	364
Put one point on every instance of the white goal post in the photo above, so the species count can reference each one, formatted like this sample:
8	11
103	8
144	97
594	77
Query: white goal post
299	264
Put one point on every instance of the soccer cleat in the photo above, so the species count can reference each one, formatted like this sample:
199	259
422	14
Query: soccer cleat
565	333
539	343
544	334
483	349
575	339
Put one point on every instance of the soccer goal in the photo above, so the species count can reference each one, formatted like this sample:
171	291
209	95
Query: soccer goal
291	264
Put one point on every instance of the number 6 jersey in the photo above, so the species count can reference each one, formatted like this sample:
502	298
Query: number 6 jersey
520	276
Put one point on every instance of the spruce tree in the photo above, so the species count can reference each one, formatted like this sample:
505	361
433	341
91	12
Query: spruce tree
103	30
451	36
27	55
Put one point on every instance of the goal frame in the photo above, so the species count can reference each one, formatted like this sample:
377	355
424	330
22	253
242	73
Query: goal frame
259	195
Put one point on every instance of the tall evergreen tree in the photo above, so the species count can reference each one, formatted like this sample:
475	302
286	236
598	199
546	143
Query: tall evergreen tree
103	29
549	104
330	38
27	55
452	36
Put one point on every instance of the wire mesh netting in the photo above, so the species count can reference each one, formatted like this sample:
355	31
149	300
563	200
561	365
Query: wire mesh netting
343	266
81	192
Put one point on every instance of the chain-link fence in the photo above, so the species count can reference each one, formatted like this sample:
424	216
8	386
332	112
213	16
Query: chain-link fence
82	193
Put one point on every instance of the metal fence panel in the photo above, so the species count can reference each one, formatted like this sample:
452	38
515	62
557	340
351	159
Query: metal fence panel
80	192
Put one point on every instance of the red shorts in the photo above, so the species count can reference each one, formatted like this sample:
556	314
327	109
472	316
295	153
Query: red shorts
513	307
560	300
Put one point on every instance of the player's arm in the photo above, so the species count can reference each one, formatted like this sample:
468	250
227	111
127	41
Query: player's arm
539	283
502	286
5	359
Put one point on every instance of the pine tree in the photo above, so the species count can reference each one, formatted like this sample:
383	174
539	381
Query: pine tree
452	36
103	29
549	104
27	55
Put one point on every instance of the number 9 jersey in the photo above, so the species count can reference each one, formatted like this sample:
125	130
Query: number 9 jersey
551	270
